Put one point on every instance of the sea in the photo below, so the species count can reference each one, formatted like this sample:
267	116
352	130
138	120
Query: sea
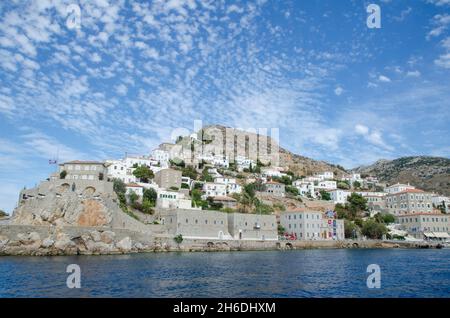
314	273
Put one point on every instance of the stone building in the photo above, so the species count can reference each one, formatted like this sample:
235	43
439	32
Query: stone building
168	178
409	201
433	226
83	170
275	189
312	225
252	226
206	224
196	224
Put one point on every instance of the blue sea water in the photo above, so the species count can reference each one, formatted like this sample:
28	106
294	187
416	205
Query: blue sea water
300	273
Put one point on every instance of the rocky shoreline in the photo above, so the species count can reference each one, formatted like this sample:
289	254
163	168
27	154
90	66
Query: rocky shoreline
52	241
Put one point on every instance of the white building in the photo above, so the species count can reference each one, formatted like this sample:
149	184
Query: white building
311	225
312	179
356	177
244	163
136	188
398	187
441	201
339	195
139	161
123	168
118	169
327	175
231	185
221	161
212	189
326	185
271	172
162	156
173	200
305	188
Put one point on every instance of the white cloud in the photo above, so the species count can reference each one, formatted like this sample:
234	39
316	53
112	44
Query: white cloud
413	73
338	90
361	129
372	136
96	58
443	61
384	79
122	89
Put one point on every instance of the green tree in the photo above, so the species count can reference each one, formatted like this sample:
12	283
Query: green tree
3	214
206	176
325	195
388	218
281	230
178	239
213	205
292	190
373	229
63	174
357	202
189	172
150	195
143	173
119	186
133	197
343	185
147	206
350	229
356	185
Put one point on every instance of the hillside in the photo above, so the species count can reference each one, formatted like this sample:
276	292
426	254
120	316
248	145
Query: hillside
298	164
427	173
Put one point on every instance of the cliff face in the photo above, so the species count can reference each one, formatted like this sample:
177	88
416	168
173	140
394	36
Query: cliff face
61	203
427	173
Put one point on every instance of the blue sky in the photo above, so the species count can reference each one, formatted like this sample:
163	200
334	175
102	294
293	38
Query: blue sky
135	70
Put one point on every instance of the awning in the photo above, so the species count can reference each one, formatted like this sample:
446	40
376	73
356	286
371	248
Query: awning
437	234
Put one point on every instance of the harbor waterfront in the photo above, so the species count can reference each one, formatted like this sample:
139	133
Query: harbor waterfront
298	273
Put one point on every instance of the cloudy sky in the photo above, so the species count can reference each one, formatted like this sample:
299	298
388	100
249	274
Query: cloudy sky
135	70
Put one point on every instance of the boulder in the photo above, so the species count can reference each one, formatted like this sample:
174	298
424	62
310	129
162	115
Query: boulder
95	235
125	245
47	242
107	237
30	238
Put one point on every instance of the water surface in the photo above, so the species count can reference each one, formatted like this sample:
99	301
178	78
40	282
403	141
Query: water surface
300	273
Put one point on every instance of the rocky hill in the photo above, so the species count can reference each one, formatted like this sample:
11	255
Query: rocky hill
427	173
257	146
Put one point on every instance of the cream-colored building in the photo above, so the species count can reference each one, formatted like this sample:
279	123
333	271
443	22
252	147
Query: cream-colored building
434	226
409	201
84	170
311	225
168	178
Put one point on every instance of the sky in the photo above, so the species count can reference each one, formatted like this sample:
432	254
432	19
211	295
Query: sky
127	73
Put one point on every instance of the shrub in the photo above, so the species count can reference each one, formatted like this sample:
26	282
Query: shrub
292	190
63	174
325	195
178	239
373	229
143	173
184	186
119	186
150	195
